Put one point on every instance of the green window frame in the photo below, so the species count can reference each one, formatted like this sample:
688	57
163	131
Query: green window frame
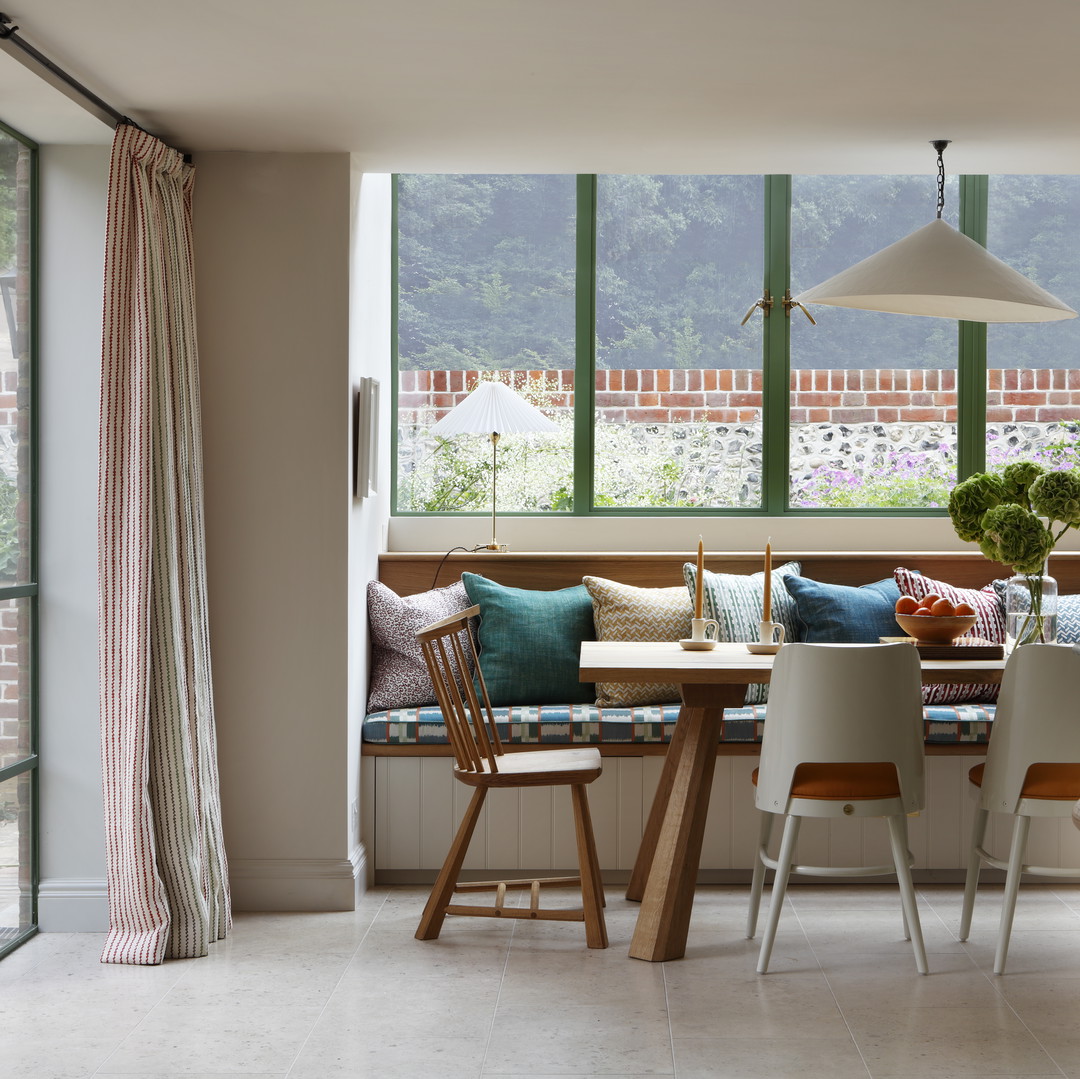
971	368
23	591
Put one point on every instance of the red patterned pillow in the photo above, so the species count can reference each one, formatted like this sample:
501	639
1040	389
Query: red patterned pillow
989	625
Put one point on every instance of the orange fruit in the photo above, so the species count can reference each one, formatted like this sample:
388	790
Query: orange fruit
929	599
942	609
921	610
907	605
964	608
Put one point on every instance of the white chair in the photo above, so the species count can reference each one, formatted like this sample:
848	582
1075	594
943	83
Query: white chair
1032	769
843	738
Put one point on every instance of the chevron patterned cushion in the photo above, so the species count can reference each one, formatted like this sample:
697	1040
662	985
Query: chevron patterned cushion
735	601
625	613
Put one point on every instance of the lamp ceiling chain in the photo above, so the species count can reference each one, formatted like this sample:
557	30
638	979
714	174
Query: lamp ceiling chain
939	145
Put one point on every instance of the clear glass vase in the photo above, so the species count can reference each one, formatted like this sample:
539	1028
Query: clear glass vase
1031	610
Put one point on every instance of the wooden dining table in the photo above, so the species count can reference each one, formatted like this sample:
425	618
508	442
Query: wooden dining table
666	869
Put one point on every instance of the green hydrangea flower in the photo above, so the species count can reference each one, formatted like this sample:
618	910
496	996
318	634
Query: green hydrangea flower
1017	478
1017	537
969	500
1056	496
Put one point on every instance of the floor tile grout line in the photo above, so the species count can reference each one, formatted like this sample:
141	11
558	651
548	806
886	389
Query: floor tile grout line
832	993
498	997
337	985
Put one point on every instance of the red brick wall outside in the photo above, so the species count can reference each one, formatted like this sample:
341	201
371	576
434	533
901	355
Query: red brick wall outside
724	396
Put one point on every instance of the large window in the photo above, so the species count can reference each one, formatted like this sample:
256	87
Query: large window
616	304
18	588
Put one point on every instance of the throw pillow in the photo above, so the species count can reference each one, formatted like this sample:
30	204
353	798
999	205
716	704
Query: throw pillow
399	676
842	614
530	642
625	613
989	625
1068	627
735	600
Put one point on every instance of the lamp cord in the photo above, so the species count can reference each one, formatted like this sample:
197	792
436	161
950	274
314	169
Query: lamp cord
442	562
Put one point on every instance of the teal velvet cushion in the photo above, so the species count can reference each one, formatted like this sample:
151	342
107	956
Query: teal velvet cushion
735	601
530	641
841	614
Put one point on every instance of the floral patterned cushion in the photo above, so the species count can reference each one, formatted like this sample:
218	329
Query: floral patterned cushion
399	676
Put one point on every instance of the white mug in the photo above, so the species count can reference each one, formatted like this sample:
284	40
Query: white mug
767	633
700	629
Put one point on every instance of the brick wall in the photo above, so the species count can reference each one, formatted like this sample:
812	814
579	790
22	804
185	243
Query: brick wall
724	396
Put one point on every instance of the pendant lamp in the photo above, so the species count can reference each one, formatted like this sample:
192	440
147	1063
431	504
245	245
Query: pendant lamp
493	409
940	272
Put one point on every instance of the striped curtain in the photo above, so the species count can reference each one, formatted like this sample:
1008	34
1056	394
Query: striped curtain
168	883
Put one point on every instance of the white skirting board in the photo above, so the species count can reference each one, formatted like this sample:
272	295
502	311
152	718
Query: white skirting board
73	905
413	804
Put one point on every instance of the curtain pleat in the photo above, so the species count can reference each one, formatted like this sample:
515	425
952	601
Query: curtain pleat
167	874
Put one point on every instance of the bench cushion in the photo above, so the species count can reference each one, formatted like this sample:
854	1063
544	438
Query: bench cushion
559	724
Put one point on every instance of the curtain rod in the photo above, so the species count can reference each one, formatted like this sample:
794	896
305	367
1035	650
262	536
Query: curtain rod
58	78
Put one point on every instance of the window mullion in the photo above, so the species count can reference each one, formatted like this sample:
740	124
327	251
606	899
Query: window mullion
585	345
971	367
776	346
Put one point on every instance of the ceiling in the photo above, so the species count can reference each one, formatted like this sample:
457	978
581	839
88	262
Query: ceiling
684	86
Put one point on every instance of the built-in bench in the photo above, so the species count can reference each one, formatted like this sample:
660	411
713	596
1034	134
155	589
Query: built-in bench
412	800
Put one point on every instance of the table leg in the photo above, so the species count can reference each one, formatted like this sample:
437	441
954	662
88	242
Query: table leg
636	888
671	854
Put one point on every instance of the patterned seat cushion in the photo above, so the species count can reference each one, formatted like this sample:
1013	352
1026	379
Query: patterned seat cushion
559	724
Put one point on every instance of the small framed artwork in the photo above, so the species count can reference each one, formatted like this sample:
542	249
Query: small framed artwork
366	435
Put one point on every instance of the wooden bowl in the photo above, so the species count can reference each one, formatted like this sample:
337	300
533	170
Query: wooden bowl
936	629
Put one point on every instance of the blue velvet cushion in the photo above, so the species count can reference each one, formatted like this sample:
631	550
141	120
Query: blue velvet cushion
841	614
530	641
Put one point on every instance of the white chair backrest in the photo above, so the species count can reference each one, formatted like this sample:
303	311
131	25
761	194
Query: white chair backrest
1037	720
842	703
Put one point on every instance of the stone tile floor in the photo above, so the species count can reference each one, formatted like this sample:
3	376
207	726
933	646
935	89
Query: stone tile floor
325	996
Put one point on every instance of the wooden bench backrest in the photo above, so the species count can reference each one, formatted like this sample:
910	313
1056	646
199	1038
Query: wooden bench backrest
408	573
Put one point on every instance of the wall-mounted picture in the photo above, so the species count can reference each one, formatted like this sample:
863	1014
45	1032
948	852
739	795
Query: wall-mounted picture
366	435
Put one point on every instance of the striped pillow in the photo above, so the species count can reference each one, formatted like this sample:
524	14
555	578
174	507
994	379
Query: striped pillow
625	613
735	600
989	625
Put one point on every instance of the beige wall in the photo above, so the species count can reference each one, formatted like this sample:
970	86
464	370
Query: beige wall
272	251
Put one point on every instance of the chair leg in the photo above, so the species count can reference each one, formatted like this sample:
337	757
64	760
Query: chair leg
971	881
1012	885
779	889
758	881
592	889
443	890
901	855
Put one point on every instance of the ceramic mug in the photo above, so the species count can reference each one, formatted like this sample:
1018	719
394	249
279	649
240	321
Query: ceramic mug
767	633
700	629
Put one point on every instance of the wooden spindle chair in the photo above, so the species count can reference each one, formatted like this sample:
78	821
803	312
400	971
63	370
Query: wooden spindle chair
481	762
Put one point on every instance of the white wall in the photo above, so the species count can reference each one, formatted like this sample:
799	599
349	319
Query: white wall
272	259
73	895
369	356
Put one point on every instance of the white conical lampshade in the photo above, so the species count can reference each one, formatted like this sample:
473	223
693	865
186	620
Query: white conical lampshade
939	271
493	407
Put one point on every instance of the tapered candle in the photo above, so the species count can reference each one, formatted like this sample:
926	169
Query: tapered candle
699	596
766	612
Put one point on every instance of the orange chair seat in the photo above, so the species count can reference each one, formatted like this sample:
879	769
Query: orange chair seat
844	782
1054	782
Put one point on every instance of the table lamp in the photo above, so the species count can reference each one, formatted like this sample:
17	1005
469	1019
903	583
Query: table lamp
493	409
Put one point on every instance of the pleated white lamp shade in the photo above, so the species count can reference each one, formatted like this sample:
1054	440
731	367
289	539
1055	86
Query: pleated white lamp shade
940	272
493	408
